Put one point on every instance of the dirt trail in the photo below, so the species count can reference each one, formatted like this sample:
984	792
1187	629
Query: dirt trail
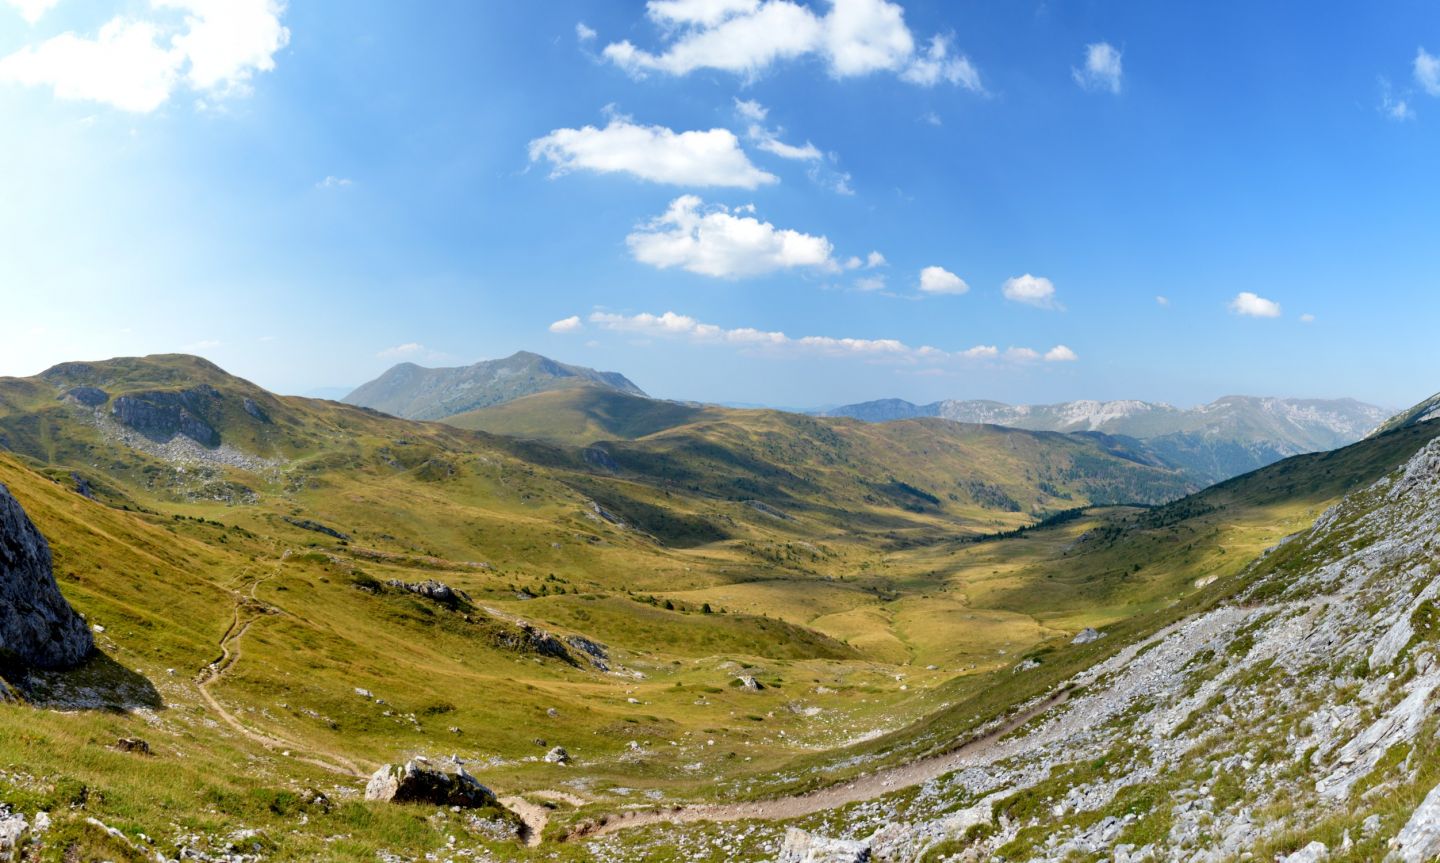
798	806
248	609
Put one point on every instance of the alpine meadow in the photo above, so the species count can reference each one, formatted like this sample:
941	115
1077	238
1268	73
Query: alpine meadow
801	431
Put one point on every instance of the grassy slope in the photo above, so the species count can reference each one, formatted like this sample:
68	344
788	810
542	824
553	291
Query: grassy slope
842	622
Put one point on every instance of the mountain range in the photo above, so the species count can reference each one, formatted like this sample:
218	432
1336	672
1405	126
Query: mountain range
1224	438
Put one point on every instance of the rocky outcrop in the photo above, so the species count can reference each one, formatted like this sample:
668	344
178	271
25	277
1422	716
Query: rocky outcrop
803	847
421	781
90	397
256	412
1087	635
436	591
1419	839
308	524
37	626
162	414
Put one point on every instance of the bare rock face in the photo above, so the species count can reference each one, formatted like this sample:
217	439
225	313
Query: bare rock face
37	626
420	781
162	414
803	847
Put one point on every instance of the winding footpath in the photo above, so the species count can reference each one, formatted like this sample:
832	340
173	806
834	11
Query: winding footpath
248	609
858	790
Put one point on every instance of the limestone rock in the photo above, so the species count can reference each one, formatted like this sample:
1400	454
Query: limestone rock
37	625
1087	635
803	847
558	755
1419	839
162	414
133	744
1312	853
420	781
749	683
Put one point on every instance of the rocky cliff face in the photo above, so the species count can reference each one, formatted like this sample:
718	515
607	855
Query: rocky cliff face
162	414
37	626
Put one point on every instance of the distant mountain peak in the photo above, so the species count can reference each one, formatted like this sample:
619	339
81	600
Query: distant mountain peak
1228	436
416	392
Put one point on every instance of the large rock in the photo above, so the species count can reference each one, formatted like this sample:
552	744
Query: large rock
421	781
37	626
1419	839
803	847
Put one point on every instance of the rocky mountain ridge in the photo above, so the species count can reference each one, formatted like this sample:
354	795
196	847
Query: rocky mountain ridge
1214	441
415	392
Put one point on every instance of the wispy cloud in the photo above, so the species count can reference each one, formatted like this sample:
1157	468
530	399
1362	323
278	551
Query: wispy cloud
671	325
1103	69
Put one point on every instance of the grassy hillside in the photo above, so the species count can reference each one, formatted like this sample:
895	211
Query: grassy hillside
849	568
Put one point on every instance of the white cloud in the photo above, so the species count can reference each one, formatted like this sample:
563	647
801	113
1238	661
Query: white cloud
567	325
870	284
1427	72
333	182
32	10
1162	301
938	280
1103	69
409	349
751	110
137	64
706	13
771	143
874	259
124	66
1307	318
1394	107
747	37
653	153
671	325
936	65
583	32
1031	290
228	41
1254	306
717	242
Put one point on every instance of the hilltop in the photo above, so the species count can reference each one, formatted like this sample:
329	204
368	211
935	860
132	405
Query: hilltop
1215	441
415	392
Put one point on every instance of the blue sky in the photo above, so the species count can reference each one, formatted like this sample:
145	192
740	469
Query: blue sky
308	193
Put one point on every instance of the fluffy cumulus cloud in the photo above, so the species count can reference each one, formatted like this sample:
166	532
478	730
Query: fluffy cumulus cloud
1031	290
747	37
726	243
32	10
1103	69
567	325
1427	72
212	47
1254	306
938	280
671	325
584	32
654	153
